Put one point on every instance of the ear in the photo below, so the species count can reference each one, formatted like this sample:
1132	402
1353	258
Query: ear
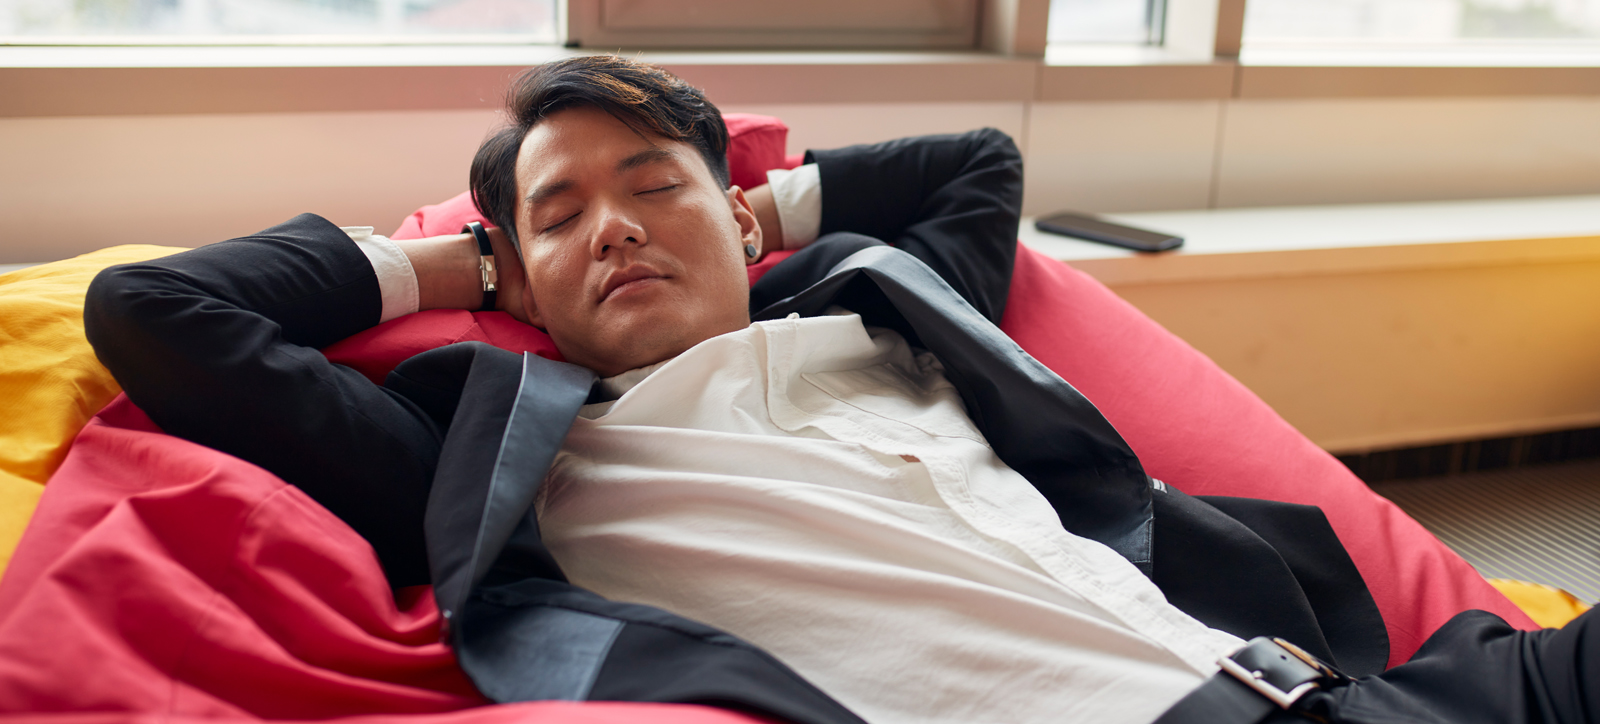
749	227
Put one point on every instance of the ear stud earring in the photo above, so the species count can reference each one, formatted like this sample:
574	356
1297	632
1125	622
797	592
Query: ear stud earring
751	251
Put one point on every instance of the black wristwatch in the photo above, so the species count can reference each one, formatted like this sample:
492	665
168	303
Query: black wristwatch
485	263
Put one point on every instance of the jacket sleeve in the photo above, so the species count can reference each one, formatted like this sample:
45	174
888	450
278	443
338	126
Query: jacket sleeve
952	201
218	345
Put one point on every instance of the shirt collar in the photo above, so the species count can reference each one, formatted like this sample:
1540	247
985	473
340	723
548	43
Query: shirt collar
613	388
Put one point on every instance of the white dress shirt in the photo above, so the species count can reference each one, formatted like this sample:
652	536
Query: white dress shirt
817	488
820	491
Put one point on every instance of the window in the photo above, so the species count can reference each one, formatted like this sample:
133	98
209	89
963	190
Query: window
1107	21
609	24
1421	21
246	21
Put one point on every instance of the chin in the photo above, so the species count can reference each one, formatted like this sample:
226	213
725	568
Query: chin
638	351
643	340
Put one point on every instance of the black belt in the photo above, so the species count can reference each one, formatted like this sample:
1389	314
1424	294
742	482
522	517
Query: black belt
1266	676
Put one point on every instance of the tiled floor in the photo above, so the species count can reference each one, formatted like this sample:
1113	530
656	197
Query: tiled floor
1539	524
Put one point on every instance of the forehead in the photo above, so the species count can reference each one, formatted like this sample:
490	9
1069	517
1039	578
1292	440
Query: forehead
582	141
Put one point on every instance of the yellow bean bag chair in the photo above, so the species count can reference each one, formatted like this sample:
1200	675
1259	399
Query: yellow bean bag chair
1549	607
50	381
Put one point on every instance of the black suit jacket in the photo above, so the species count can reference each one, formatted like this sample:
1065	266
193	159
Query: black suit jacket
439	467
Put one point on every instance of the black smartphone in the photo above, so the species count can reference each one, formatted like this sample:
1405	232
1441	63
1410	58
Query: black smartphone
1083	226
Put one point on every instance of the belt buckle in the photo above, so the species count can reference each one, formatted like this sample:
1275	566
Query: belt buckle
1278	670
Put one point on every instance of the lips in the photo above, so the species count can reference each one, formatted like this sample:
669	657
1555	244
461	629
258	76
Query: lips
623	280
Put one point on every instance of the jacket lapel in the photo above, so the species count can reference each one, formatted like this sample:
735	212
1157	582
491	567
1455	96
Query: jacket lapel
514	413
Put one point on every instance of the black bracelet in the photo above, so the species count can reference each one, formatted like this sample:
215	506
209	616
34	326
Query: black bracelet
491	277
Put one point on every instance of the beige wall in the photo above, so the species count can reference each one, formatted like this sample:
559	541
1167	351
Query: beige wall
187	179
1352	150
76	184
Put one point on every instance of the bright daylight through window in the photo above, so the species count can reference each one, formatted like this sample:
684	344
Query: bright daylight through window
1107	21
1421	21
247	21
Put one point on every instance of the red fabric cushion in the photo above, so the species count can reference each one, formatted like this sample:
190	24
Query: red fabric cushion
755	146
376	351
162	577
1196	427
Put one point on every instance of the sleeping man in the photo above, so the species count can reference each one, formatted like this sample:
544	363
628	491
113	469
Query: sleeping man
868	504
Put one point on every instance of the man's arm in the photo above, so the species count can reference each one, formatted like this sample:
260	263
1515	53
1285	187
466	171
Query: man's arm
448	275
219	346
952	201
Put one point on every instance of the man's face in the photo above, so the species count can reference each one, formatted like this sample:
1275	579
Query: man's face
634	252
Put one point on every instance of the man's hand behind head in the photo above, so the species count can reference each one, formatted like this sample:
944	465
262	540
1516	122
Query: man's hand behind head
514	296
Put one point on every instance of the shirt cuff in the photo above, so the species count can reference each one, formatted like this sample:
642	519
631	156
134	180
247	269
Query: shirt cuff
798	196
397	281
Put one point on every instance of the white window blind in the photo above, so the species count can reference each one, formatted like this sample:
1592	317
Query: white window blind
1421	21
255	21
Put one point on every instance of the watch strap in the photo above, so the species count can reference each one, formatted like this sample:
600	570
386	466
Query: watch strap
491	276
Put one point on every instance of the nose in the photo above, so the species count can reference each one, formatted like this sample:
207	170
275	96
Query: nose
617	230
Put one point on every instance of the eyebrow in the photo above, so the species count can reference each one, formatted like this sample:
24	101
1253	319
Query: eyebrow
653	154
543	193
649	155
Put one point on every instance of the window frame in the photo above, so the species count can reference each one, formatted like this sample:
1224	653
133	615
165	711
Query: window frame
585	26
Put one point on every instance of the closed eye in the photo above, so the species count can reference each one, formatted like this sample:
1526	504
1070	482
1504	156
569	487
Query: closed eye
558	224
668	187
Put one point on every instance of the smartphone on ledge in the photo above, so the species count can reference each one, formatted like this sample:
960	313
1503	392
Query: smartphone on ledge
1083	226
